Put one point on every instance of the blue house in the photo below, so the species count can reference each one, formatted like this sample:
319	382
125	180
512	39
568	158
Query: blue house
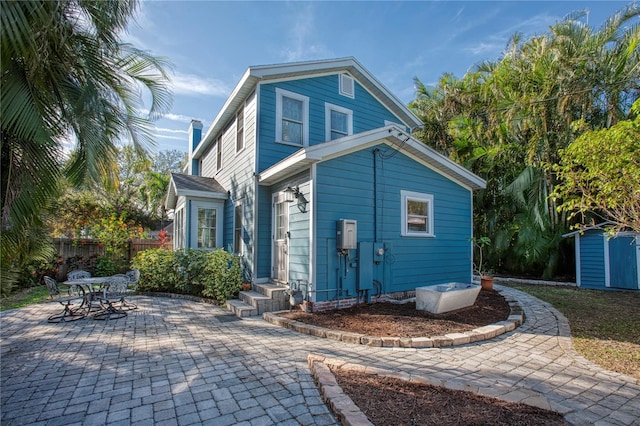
607	261
311	174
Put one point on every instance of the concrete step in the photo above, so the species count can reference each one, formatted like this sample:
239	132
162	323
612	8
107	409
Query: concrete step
271	290
241	309
262	298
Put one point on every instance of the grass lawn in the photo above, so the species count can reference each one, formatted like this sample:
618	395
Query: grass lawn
24	297
605	325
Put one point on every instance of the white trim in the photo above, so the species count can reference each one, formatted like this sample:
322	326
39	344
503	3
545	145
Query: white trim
244	134
344	77
417	196
280	93
275	198
219	208
312	232
242	206
203	194
297	70
471	233
578	260
607	267
327	119
339	147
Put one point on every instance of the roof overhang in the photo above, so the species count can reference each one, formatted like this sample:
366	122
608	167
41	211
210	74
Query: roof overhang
266	73
390	135
179	189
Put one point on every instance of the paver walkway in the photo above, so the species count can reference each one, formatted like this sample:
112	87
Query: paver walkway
178	362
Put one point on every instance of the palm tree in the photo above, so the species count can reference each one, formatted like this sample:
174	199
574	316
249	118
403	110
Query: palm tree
67	76
515	115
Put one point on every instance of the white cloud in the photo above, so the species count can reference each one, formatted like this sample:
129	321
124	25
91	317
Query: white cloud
165	130
189	84
483	48
301	46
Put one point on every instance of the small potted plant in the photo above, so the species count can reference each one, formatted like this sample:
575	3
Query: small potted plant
486	278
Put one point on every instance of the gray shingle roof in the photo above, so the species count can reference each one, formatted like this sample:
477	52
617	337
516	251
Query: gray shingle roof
197	186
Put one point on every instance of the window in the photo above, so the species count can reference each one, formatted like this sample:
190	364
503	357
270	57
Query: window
292	117
237	229
179	229
417	214
240	130
347	86
339	121
219	153
206	228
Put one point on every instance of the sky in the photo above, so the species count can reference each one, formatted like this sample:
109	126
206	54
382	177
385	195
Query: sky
210	44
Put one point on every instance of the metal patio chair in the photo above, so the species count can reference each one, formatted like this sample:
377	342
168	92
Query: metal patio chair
68	313
112	299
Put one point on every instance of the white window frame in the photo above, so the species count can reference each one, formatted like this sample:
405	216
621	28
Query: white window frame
405	196
240	139
344	82
327	119
178	229
280	93
238	246
219	207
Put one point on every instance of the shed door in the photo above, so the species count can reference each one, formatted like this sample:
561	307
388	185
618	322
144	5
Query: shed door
623	263
280	240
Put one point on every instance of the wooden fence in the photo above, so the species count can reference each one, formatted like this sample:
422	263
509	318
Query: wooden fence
67	248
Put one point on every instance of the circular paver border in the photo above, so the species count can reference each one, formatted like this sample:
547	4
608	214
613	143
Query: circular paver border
515	319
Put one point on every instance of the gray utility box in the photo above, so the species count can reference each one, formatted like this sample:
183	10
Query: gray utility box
346	234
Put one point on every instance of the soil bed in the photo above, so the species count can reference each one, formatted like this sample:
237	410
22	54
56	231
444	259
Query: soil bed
394	402
388	319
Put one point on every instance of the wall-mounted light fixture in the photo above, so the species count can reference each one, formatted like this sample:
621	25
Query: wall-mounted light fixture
290	193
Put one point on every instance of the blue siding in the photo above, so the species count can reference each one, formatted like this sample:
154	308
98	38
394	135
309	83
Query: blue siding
368	113
263	238
345	190
592	260
300	240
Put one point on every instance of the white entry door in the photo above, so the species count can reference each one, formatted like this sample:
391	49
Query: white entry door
280	265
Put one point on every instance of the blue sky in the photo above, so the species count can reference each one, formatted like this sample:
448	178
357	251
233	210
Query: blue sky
211	43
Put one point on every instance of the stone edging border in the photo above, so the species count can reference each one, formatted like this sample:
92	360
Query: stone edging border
348	413
515	319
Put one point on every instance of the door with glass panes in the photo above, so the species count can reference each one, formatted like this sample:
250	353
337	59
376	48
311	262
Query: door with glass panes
280	262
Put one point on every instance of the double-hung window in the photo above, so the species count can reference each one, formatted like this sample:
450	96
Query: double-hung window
219	153
237	229
339	121
240	130
207	228
417	214
292	118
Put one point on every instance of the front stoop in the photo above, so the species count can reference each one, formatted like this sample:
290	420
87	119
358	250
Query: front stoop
262	298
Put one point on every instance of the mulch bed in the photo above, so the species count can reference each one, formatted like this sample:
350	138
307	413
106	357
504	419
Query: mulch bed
403	320
394	402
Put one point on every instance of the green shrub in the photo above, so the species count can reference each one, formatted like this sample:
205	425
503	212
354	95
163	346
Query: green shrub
222	276
157	270
216	274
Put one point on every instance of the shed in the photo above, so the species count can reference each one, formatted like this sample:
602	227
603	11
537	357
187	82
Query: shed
606	261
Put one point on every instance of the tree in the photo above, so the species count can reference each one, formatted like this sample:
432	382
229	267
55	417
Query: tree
600	174
508	121
66	76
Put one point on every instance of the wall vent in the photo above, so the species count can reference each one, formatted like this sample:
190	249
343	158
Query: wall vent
347	86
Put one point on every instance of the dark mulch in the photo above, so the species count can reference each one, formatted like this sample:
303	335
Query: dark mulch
394	402
403	320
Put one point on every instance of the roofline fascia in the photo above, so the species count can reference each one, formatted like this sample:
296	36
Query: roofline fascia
254	74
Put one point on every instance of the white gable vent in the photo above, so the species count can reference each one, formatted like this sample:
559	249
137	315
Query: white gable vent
346	85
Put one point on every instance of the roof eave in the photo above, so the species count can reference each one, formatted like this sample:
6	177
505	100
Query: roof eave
254	74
